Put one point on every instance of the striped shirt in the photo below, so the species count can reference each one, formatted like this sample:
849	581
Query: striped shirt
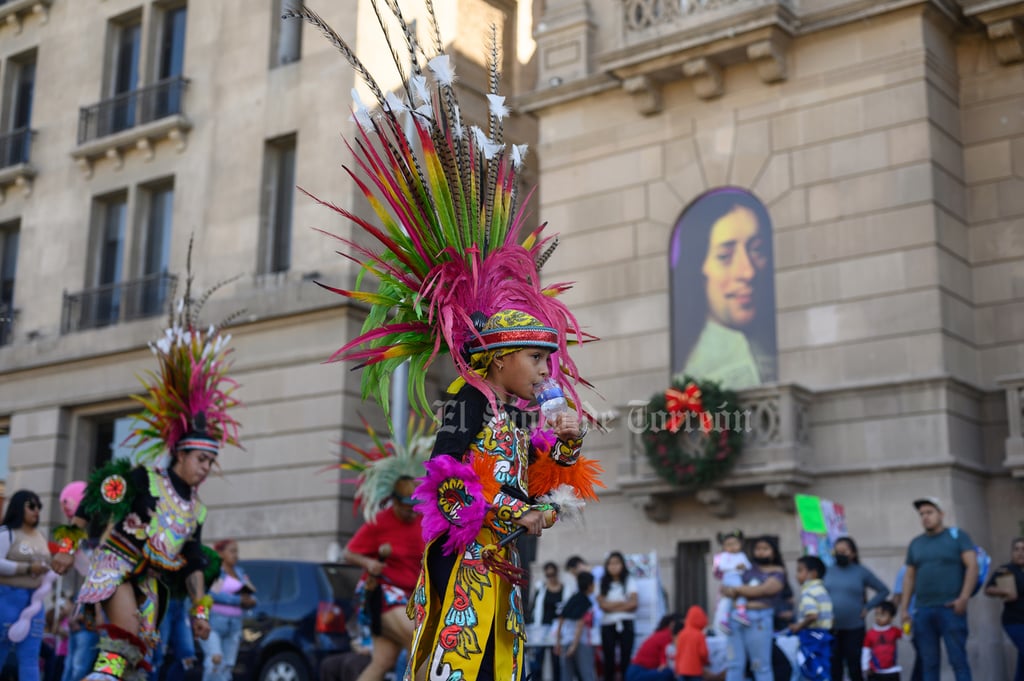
814	599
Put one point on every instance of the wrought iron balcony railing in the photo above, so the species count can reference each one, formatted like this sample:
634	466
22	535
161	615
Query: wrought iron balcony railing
14	147
118	302
129	109
6	323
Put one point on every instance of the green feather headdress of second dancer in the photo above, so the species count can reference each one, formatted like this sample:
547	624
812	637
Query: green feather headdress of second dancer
453	274
153	514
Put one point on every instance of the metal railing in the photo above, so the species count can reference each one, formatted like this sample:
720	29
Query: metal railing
121	301
6	323
129	109
14	147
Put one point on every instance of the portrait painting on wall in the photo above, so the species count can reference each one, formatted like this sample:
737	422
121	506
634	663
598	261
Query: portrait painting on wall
722	283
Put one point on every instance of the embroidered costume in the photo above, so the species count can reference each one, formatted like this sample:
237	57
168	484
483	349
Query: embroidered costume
454	275
153	517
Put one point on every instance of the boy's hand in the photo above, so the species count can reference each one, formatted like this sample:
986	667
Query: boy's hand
795	627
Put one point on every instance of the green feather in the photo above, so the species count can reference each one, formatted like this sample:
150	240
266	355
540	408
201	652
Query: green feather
94	503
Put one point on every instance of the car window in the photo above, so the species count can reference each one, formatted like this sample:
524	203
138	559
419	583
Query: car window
289	586
264	577
342	580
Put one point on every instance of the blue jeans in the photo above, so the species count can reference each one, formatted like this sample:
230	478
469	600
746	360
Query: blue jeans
225	635
12	601
81	654
932	624
579	666
754	642
176	636
637	673
1016	634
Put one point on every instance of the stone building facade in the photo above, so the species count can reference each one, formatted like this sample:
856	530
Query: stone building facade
885	138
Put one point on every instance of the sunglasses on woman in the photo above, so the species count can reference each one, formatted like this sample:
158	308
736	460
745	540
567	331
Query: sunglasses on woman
33	506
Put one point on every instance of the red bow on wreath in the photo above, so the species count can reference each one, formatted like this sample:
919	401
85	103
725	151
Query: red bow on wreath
688	401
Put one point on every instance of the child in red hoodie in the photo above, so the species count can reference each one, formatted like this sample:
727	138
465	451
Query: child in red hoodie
692	647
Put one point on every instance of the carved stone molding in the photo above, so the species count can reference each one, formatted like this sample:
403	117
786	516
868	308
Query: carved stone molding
769	58
646	94
783	493
565	37
141	139
13	13
1007	37
721	504
708	81
16	178
657	507
1014	387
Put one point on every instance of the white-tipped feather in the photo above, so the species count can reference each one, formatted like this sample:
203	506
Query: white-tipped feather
395	104
360	114
518	155
496	104
570	506
442	69
426	111
479	137
420	91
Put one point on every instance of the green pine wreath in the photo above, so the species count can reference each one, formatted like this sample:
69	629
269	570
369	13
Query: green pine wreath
708	435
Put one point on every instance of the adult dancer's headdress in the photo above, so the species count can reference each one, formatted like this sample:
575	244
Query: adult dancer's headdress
188	399
449	218
381	466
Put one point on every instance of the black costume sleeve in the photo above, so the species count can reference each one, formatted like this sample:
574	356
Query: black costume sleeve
462	419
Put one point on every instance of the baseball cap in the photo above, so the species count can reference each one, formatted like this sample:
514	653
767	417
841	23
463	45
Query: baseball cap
933	501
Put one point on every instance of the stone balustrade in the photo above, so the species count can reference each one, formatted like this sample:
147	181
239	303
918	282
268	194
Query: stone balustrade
776	456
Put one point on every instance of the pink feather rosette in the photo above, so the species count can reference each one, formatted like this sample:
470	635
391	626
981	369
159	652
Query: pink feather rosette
450	498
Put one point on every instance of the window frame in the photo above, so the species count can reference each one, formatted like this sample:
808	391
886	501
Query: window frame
274	186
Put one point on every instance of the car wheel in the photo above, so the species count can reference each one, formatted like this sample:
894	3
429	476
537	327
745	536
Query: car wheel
284	667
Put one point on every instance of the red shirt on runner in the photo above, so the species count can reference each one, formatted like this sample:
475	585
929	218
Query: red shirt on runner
402	568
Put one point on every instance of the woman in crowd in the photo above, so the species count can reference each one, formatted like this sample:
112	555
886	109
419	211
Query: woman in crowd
847	583
24	559
761	585
1008	583
232	594
617	599
548	599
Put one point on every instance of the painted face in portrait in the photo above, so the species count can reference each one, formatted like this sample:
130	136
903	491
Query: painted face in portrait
736	256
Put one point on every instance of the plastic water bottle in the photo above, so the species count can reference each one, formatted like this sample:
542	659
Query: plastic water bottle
551	399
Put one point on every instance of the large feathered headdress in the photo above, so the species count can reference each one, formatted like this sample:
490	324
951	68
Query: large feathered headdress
449	218
188	399
381	466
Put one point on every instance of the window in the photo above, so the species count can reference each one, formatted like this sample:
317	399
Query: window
171	62
17	118
8	270
692	574
278	200
286	37
112	218
124	78
156	249
5	449
108	436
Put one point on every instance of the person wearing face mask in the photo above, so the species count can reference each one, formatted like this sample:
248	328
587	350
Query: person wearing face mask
848	583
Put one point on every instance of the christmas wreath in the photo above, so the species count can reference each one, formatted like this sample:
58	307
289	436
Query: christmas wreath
693	432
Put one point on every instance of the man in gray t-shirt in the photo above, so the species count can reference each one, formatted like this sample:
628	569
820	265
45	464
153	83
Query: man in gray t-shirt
942	570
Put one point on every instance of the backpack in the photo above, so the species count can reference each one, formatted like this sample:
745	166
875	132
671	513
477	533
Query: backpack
984	561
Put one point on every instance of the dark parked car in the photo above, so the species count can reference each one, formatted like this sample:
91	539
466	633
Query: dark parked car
302	616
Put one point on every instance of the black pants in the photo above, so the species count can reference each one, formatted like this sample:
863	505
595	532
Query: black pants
612	640
846	647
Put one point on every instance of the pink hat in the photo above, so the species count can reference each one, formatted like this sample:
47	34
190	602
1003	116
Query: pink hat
71	497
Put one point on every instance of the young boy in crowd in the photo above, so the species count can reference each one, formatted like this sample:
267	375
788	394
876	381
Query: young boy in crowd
814	620
692	647
879	656
572	637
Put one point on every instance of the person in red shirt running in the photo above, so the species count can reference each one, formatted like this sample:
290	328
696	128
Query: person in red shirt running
389	548
651	661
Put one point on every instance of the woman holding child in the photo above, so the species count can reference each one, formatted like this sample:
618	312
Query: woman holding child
761	584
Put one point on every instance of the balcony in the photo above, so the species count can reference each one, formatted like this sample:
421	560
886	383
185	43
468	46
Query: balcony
1014	387
14	161
14	12
132	120
7	315
115	303
775	457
